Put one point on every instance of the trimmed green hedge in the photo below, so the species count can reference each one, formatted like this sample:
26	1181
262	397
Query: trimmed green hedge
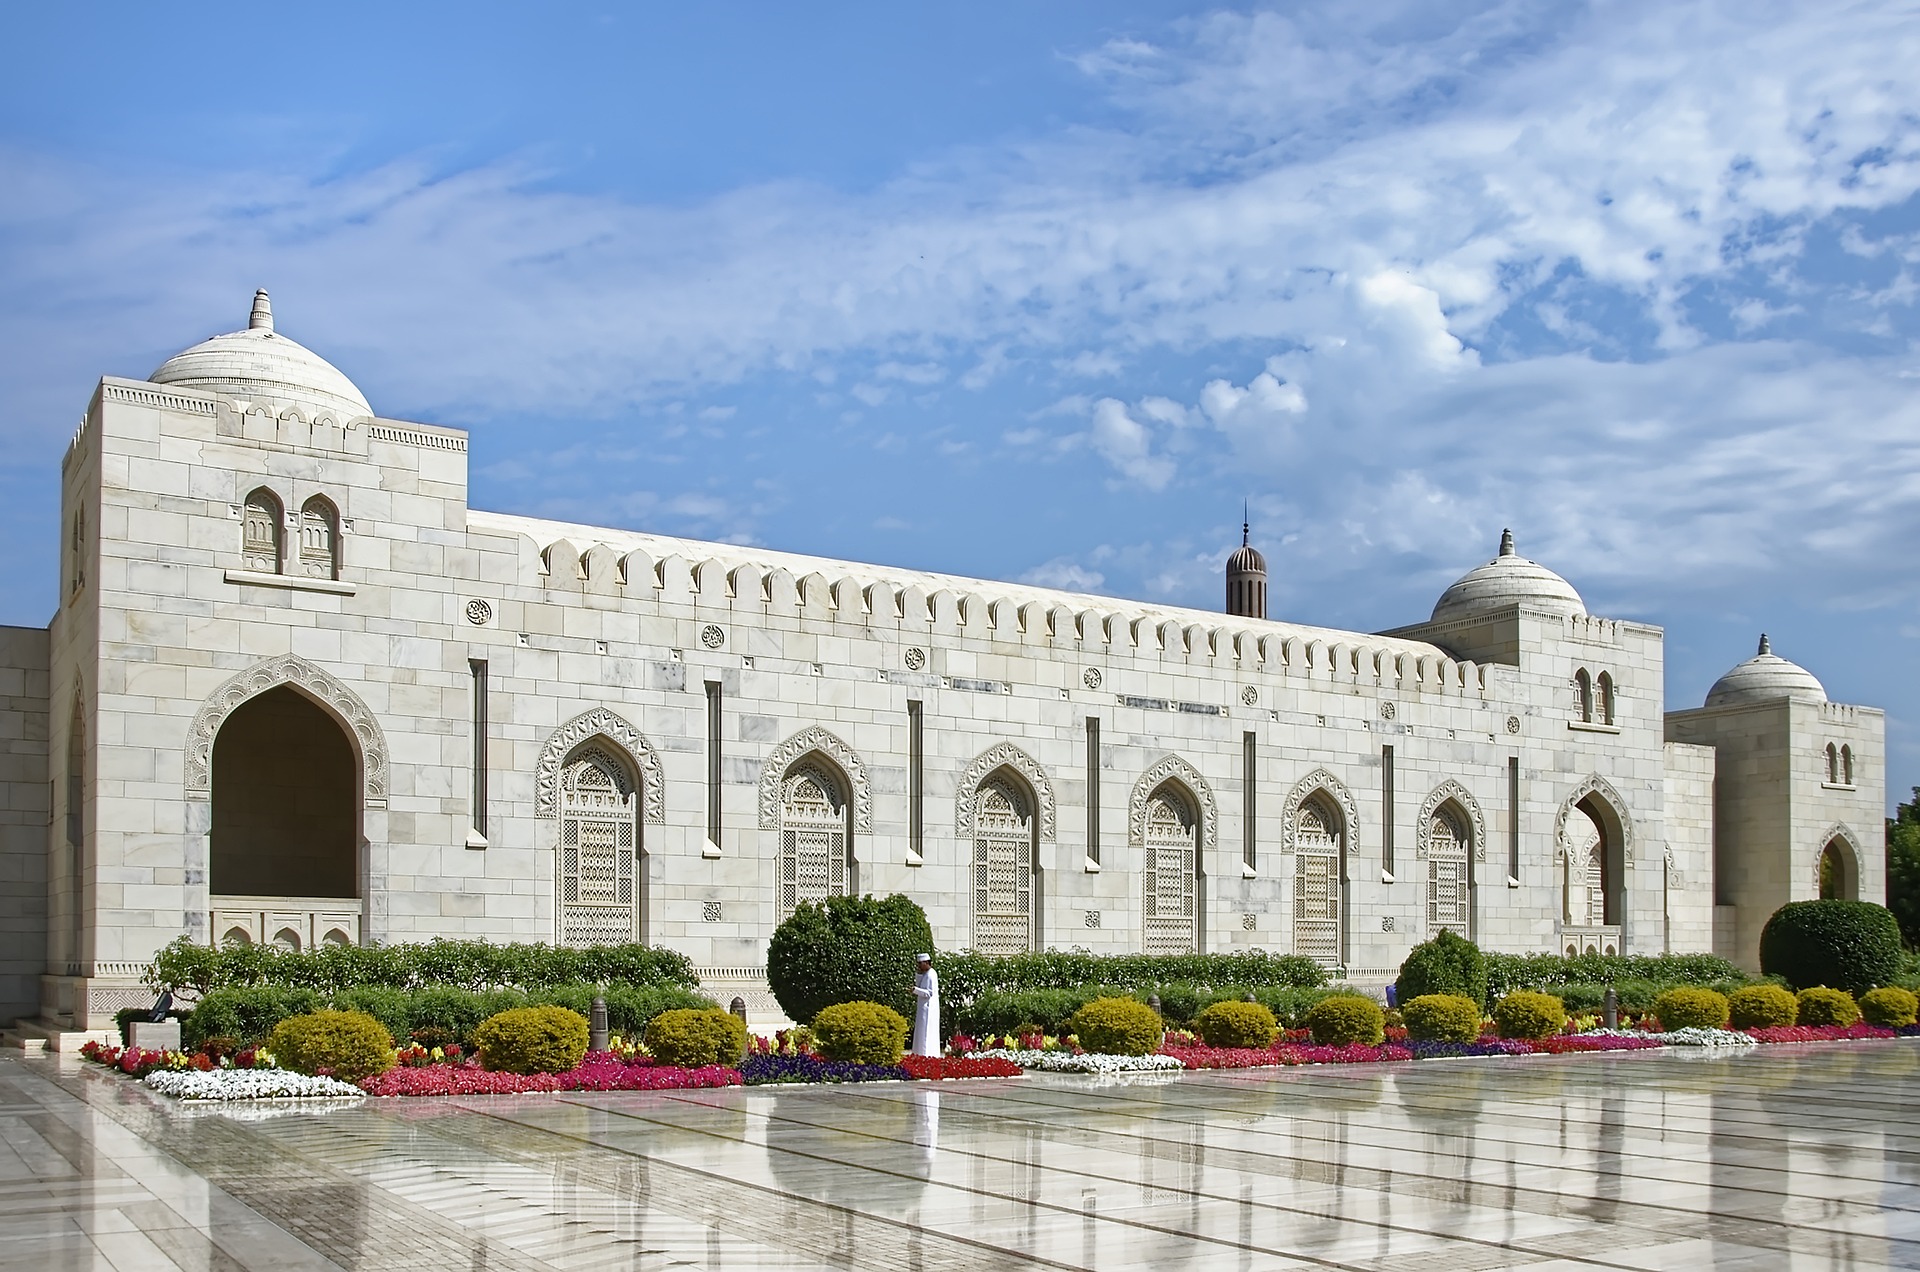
1851	945
249	1013
1508	972
1002	1011
848	950
1448	964
472	965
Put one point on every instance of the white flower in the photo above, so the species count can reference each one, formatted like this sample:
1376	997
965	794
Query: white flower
1705	1038
1067	1062
248	1084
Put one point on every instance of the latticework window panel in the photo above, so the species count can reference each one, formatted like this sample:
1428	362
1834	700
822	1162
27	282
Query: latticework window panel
599	842
1316	902
1171	885
1447	885
1002	870
813	841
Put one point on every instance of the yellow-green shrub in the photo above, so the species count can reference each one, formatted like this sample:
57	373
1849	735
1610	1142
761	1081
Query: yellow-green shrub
865	1033
1442	1018
1822	1006
1691	1007
350	1045
1762	1007
1526	1014
1117	1027
532	1040
1347	1018
1890	1008
691	1037
1235	1024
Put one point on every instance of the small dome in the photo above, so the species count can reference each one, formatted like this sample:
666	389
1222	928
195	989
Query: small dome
1766	677
259	364
1508	579
1246	559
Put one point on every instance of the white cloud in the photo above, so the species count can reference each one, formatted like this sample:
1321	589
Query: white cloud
1064	573
1127	444
718	413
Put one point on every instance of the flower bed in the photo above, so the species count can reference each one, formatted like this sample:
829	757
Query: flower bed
934	1068
1825	1033
769	1070
247	1084
1081	1061
598	1071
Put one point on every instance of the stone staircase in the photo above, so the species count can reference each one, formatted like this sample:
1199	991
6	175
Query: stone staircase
51	1035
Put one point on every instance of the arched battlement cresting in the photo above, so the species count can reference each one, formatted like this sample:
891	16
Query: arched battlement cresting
621	736
310	681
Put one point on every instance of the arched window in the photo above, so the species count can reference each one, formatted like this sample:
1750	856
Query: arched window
1171	840
1319	842
814	835
1846	765
599	845
1833	763
1583	695
1591	887
260	523
319	539
1449	844
1004	848
77	574
1603	690
1837	880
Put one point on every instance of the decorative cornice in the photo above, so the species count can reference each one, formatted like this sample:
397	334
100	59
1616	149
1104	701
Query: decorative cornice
1320	780
157	398
602	723
1003	755
843	757
1165	769
1450	790
288	669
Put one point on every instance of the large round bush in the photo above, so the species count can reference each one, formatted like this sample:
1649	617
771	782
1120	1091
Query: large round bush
845	950
1691	1007
695	1036
1347	1018
350	1045
1850	945
1235	1024
865	1033
532	1040
1526	1014
1761	1007
1117	1027
1447	964
1889	1007
1442	1018
1822	1006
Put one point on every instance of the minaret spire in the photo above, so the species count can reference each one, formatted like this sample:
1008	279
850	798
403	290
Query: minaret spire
1506	543
1246	523
261	319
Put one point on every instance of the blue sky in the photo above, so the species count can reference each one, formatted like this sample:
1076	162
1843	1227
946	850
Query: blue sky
1042	292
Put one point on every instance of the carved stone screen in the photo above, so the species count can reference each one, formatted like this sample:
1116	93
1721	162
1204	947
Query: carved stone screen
1316	884
1002	870
1447	874
1170	842
598	838
813	839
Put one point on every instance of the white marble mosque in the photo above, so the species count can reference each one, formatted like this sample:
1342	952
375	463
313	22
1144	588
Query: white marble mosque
298	691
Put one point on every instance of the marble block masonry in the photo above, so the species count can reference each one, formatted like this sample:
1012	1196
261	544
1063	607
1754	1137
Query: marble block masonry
297	691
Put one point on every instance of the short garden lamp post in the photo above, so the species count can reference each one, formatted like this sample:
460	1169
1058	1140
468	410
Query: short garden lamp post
597	1025
738	1007
1610	1009
1153	1001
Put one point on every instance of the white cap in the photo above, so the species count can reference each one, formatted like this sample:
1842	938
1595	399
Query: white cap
923	958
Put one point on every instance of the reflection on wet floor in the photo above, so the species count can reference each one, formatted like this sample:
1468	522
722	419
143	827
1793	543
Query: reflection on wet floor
1784	1156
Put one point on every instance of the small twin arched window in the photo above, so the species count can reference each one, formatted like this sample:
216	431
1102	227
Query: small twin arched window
1593	698
263	543
1839	765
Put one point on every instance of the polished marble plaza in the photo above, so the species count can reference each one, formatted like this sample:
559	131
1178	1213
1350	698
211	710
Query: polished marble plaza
1797	1156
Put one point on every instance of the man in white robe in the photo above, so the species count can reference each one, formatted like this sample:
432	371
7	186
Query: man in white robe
926	1011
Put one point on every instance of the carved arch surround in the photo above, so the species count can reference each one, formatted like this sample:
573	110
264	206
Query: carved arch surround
1594	785
1450	790
289	669
1171	768
782	758
1844	833
629	741
1003	755
1336	790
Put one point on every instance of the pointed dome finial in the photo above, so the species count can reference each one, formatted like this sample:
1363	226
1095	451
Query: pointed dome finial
1766	646
261	319
1246	523
1506	543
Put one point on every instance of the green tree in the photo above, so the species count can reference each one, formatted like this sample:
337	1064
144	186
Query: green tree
1903	869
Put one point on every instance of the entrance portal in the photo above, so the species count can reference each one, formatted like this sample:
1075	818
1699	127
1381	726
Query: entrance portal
285	801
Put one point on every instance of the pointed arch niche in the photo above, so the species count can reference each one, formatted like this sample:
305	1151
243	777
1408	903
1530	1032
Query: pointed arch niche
1594	844
1004	811
1318	828
1836	867
814	793
1173	821
1451	838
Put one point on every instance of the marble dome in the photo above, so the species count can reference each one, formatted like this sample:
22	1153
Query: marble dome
1766	677
1508	579
261	365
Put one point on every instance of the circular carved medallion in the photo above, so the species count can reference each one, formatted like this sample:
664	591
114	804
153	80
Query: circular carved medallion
479	613
1249	695
1513	724
713	636
916	658
1388	710
1090	677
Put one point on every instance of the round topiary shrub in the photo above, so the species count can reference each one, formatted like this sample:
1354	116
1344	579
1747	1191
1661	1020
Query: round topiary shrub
1691	1007
1235	1024
846	950
350	1045
1447	964
1117	1027
1347	1018
1890	1007
1526	1014
1852	945
1762	1007
865	1033
692	1037
1822	1006
1442	1018
532	1040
